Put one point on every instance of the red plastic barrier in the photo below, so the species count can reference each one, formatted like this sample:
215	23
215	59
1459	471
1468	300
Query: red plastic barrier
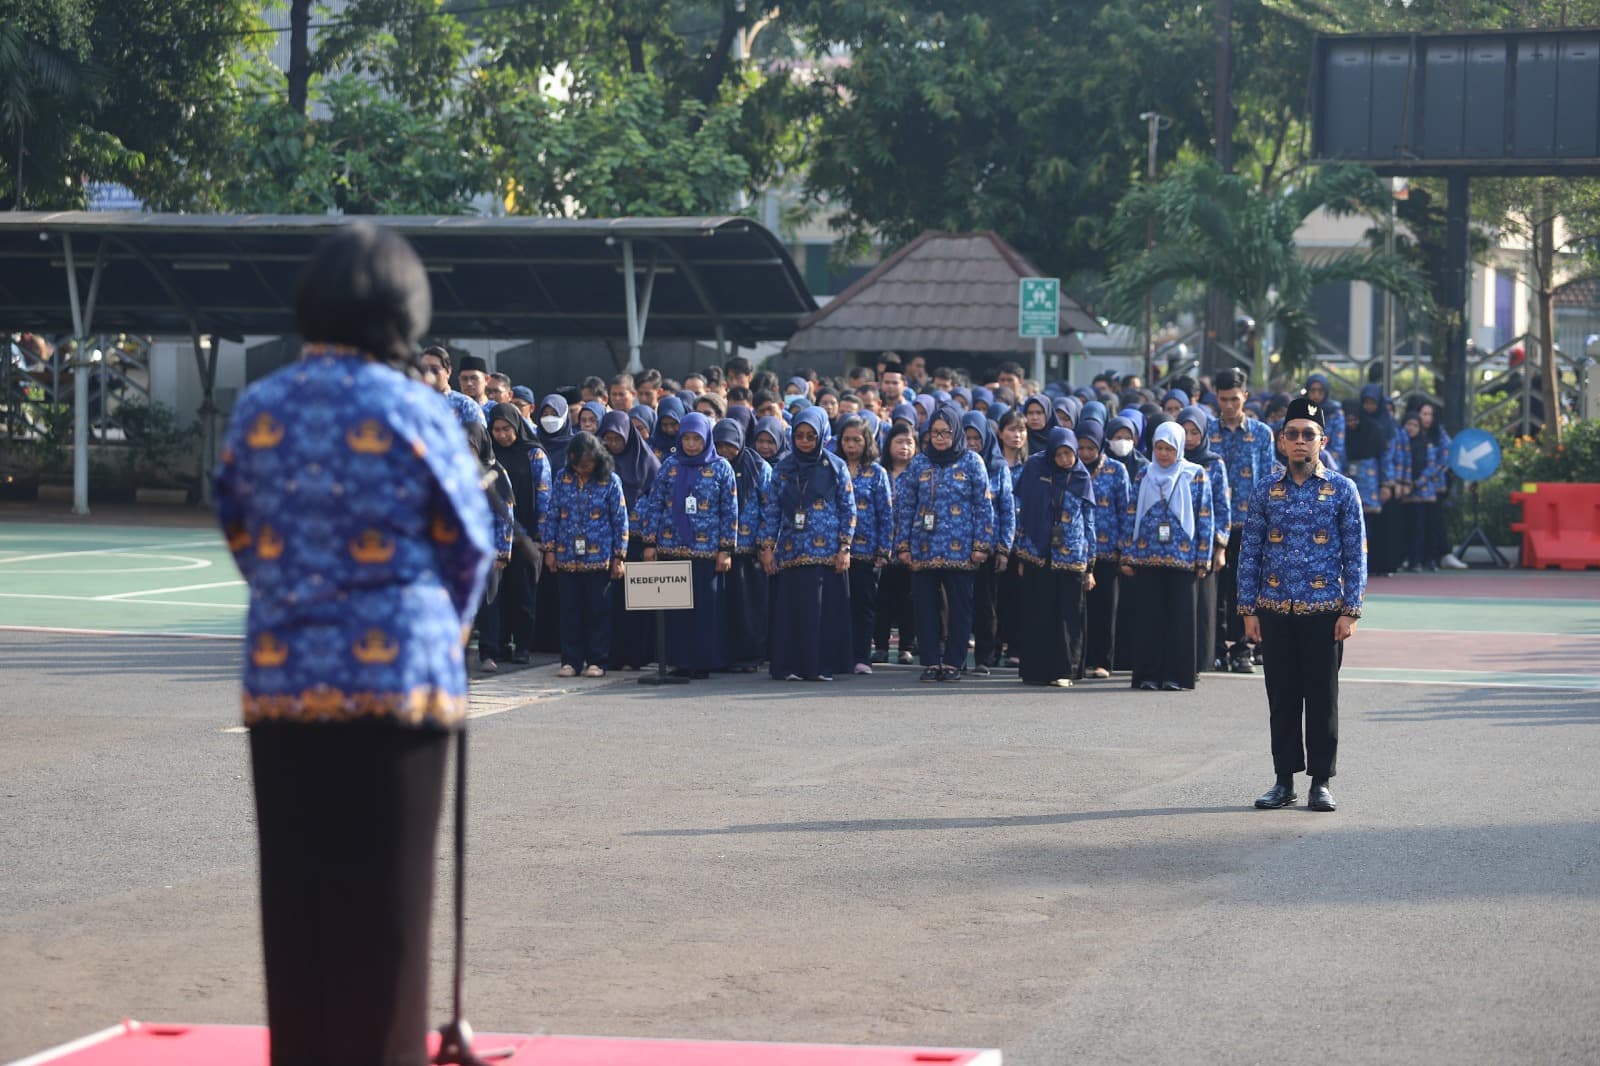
1560	525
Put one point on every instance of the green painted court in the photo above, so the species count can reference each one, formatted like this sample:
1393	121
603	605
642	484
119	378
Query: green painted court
1516	628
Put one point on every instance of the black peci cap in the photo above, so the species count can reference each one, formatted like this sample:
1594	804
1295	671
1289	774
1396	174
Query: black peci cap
1300	407
474	362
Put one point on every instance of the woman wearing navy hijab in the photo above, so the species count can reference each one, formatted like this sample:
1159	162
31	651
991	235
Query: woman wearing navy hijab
874	535
809	523
633	637
1055	558
669	417
986	584
693	514
944	530
1196	423
748	586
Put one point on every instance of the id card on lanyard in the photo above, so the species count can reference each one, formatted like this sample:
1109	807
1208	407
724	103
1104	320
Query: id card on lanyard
1164	527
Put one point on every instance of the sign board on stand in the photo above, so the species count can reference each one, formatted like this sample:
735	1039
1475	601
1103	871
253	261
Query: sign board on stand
1039	315
660	587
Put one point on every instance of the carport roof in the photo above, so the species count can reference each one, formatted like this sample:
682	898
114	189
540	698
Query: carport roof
233	275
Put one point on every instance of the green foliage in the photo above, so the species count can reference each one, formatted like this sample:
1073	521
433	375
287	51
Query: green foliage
373	154
1224	231
133	91
1524	461
157	442
1021	117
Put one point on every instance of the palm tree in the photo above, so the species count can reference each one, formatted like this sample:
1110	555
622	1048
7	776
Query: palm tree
1222	231
44	91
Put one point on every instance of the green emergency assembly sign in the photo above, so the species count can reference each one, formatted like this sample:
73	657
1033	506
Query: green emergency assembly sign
1039	308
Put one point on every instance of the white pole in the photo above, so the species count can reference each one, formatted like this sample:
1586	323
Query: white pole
80	389
631	292
1038	360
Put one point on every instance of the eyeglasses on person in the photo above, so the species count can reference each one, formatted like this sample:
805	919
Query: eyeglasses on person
1307	435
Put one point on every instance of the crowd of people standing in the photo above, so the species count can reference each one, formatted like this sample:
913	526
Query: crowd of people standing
893	515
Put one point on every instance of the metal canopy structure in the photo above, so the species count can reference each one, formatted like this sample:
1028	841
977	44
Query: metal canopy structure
721	278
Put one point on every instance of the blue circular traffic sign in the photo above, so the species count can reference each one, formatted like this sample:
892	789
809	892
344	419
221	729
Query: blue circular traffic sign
1474	454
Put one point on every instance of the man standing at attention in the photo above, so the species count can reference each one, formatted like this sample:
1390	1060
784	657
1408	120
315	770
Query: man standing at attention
436	361
1246	448
474	378
1302	575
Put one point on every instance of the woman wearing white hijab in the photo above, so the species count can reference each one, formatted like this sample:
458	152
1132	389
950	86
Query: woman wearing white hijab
1166	549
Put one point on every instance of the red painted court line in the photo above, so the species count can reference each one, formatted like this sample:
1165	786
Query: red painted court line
136	1044
1531	653
1511	585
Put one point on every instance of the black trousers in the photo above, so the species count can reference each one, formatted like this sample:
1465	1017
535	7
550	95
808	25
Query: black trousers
347	817
1230	623
934	591
1052	624
985	614
1100	631
895	608
633	633
1164	620
516	603
1008	601
586	618
1302	660
863	608
1205	622
748	589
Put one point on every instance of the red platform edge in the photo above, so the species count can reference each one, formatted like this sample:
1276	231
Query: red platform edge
157	1044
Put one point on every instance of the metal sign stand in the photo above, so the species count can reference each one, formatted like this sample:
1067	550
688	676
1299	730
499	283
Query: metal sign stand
660	587
1479	536
661	676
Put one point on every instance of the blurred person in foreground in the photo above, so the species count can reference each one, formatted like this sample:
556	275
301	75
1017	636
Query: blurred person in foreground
352	506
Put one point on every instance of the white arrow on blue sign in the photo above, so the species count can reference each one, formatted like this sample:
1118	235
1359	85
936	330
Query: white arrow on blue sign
1474	455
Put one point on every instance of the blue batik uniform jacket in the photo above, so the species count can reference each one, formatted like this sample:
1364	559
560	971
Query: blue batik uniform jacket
539	467
351	504
958	497
1251	456
1140	546
1004	499
714	525
1111	494
1435	473
1221	500
1399	457
1304	549
874	536
753	510
1073	538
596	513
1334	449
830	523
505	524
466	408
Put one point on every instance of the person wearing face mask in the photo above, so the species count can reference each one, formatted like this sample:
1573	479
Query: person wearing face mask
1166	548
1122	437
693	513
1111	493
1196	423
1247	451
1055	560
1302	580
809	523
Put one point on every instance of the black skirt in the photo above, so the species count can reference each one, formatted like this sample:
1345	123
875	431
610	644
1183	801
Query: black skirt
811	623
1051	630
1163	600
347	817
748	589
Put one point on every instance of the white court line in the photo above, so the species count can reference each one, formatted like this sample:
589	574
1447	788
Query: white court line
133	603
120	633
113	551
174	588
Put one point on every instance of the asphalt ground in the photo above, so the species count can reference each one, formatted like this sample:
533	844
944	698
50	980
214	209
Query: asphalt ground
1068	875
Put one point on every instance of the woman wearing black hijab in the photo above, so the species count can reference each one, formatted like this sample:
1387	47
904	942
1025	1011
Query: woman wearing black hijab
519	454
1055	554
491	646
555	432
633	636
748	587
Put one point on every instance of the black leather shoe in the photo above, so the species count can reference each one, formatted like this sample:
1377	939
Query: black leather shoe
1275	797
1149	686
1171	686
1320	799
1241	664
931	674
